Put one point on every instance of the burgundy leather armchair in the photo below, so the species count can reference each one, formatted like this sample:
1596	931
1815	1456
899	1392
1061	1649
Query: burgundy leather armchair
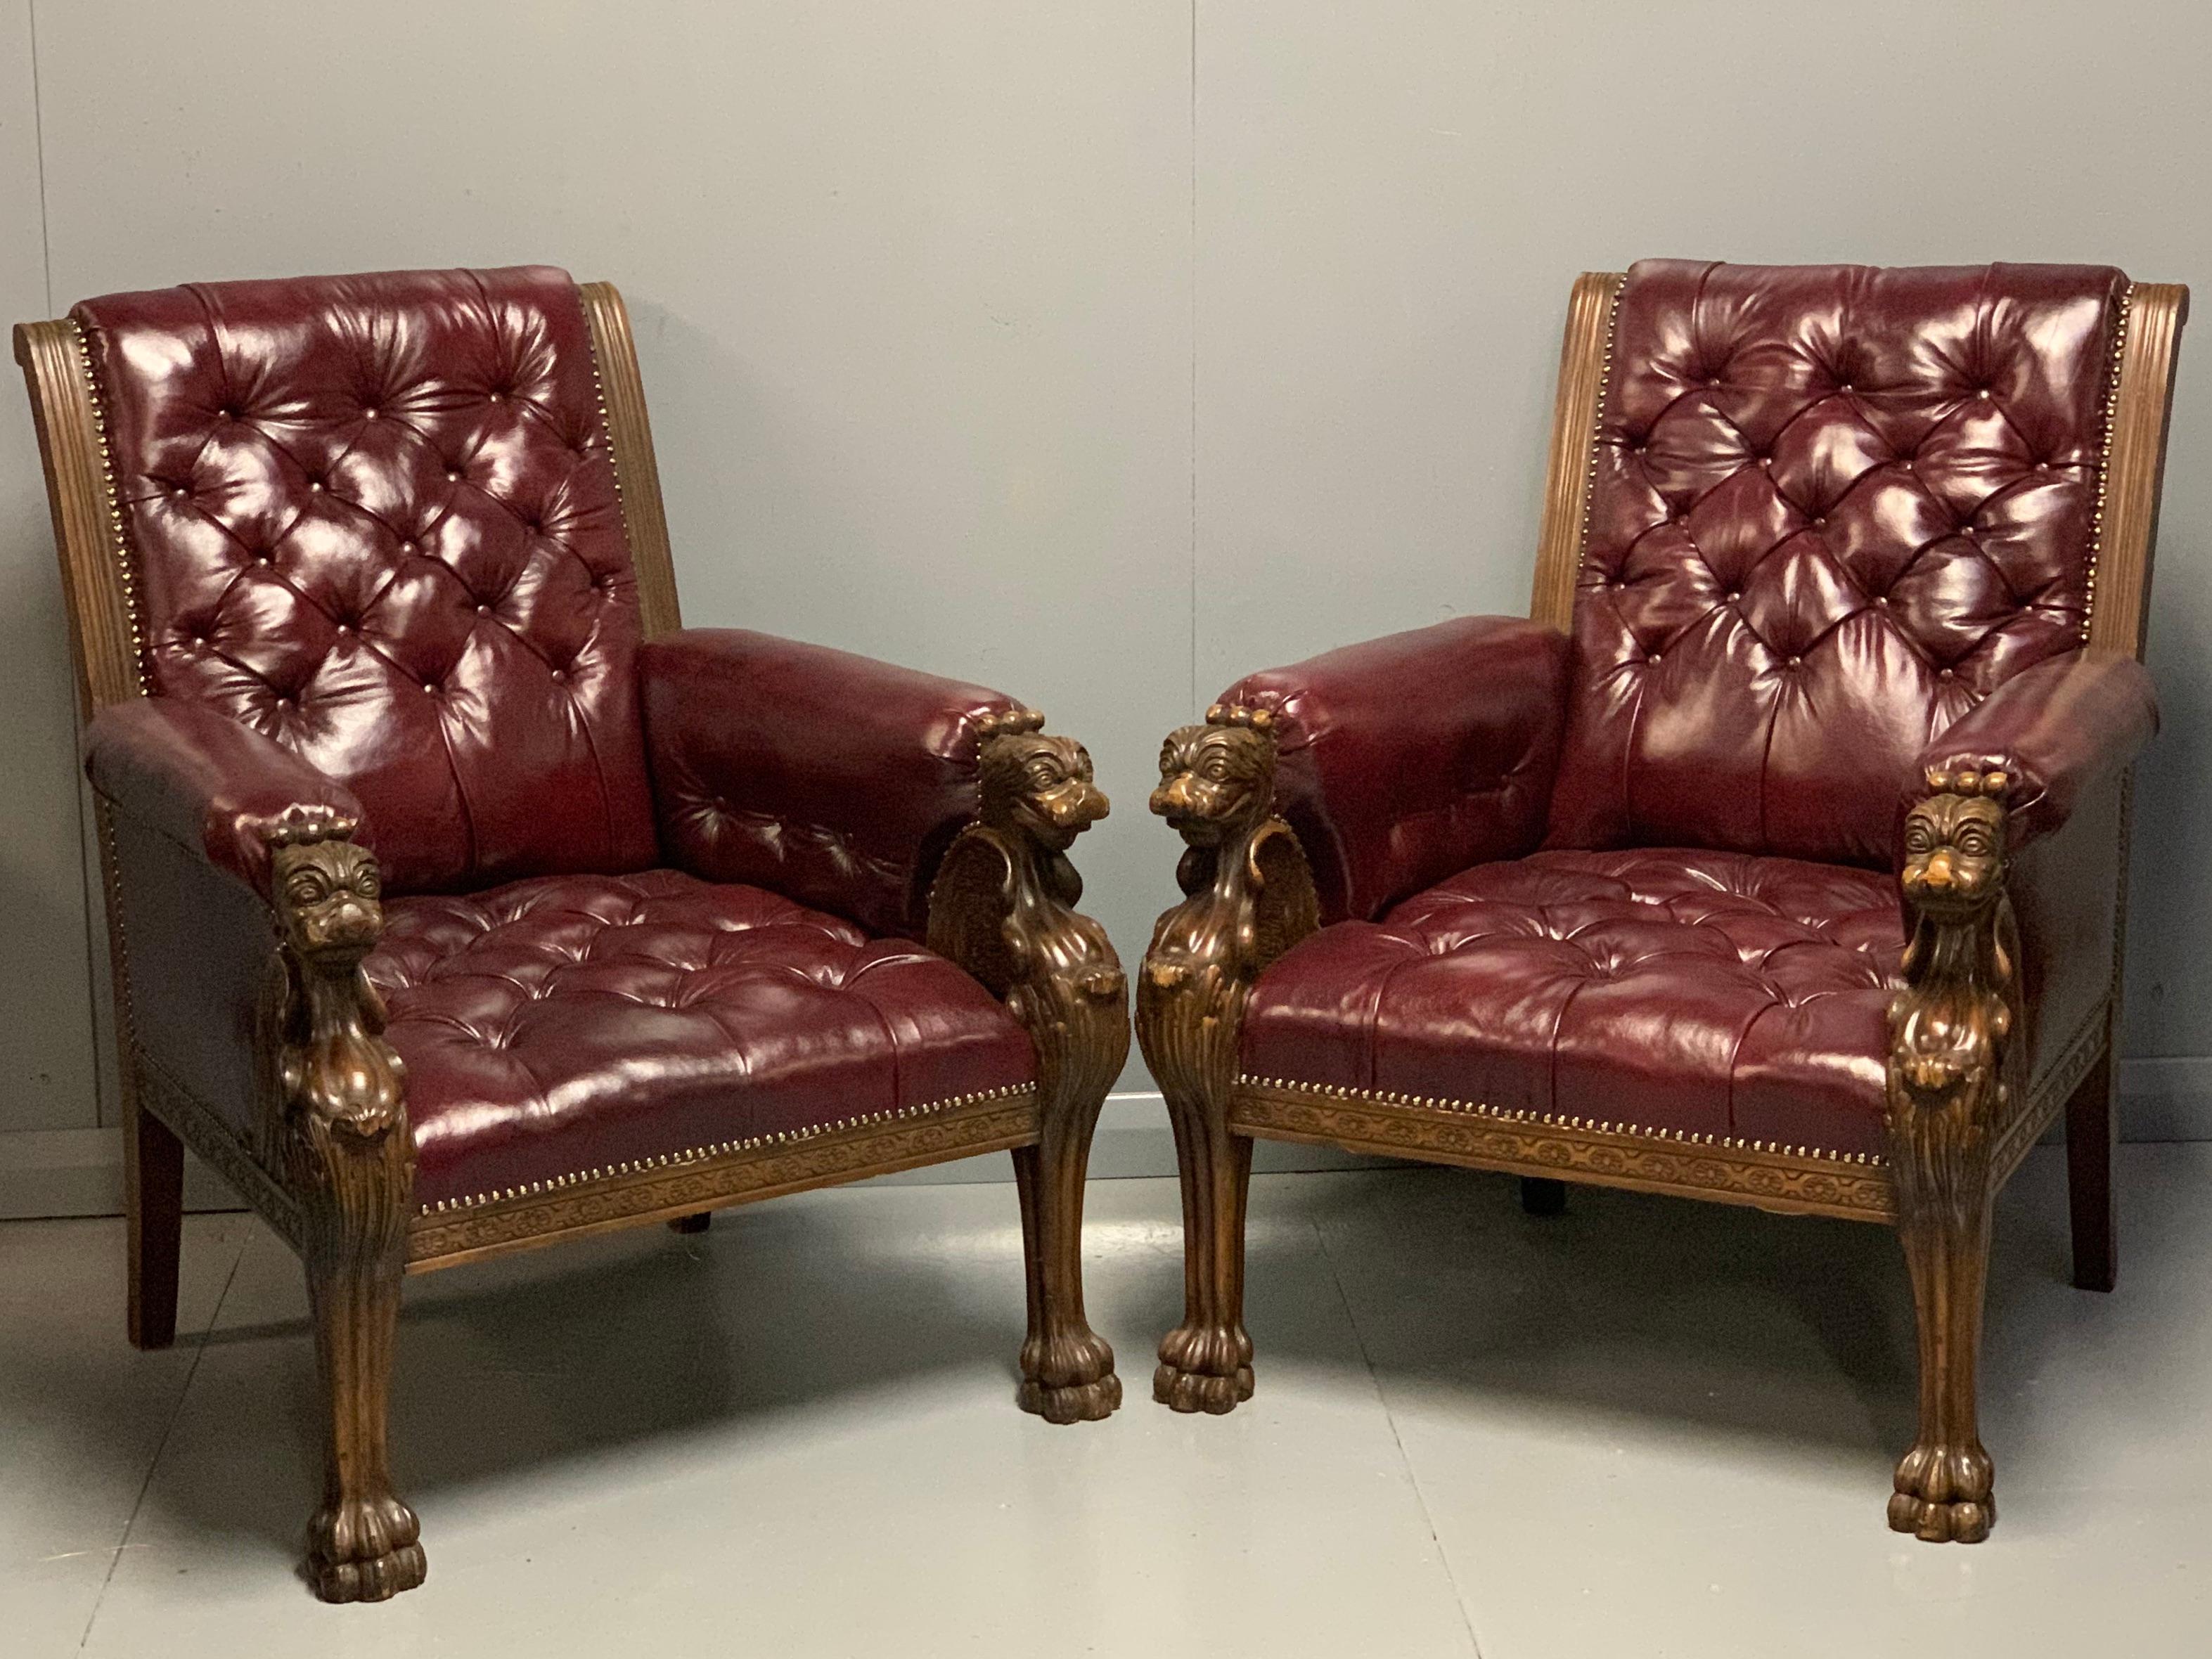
1778	857
460	899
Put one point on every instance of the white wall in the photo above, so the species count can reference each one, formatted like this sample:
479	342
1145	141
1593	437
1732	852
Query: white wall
1098	351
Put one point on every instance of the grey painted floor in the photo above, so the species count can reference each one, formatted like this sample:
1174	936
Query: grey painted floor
1648	1427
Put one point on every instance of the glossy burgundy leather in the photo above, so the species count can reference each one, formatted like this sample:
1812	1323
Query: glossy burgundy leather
1833	507
375	519
2060	729
1700	991
573	1022
835	778
1408	757
195	775
1840	531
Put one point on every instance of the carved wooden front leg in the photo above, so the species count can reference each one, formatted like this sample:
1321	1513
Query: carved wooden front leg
1952	1083
1247	897
1004	908
339	1124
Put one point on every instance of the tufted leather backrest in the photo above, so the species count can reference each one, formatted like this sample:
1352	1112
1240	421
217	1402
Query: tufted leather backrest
1830	508
375	518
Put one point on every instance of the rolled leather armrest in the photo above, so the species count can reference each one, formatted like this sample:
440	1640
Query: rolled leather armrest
2060	729
835	779
1409	757
197	777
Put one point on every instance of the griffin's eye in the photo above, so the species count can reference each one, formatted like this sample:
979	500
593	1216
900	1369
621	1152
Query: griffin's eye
368	885
1215	770
1974	840
306	887
1043	774
1917	837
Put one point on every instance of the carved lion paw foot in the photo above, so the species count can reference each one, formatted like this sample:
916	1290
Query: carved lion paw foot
1069	1379
1943	1495
1203	1369
365	1549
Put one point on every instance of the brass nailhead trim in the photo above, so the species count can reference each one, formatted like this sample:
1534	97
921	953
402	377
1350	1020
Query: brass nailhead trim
1556	1121
2105	457
719	1148
119	544
1597	426
606	427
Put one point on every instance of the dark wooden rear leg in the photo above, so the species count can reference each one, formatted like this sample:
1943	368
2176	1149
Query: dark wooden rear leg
2093	1134
1540	1195
692	1223
154	1205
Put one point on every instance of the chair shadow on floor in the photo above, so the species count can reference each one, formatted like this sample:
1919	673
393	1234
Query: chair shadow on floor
510	1371
1726	1321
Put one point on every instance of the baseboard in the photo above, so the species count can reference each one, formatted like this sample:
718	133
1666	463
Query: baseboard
72	1172
79	1172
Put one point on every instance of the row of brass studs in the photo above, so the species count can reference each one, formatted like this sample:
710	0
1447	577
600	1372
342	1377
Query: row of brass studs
1560	1120
118	547
720	1149
2105	457
1597	425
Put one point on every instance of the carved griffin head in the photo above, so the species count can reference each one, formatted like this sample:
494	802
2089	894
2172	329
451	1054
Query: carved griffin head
328	893
1955	843
1038	785
1218	781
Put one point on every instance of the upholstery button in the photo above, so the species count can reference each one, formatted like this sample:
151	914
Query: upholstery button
176	492
1792	662
264	558
2043	466
410	547
315	486
1883	601
1982	394
1767	462
429	688
499	397
1844	386
370	412
1821	523
1653	657
452	475
1944	675
483	611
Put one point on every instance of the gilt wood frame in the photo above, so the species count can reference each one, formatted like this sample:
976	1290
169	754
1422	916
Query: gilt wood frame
98	581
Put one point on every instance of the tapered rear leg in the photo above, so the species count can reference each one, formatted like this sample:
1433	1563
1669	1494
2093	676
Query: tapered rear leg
1540	1195
2093	1134
154	1205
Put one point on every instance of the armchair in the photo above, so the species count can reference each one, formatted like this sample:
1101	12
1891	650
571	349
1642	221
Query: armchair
460	899
1777	858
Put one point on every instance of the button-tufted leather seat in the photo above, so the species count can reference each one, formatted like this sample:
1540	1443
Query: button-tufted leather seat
1776	858
573	1022
1714	993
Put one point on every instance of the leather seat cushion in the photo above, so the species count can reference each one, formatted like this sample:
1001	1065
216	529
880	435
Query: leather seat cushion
566	1023
1700	993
